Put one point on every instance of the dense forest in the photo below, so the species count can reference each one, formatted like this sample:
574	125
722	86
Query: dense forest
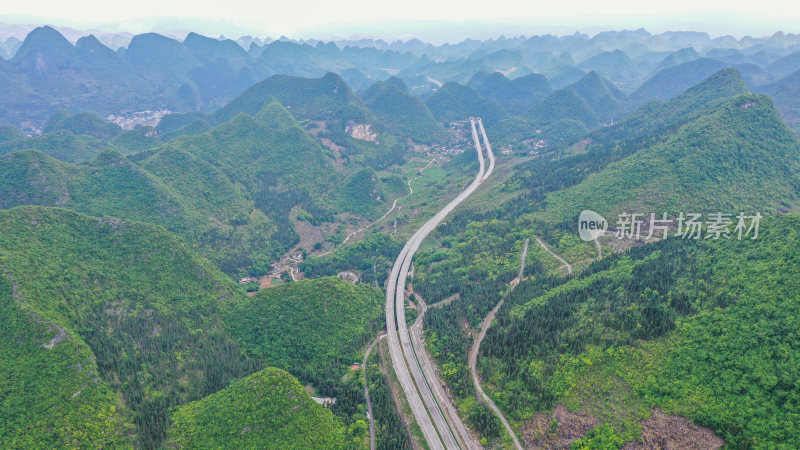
477	253
121	322
313	329
679	324
273	405
139	180
128	301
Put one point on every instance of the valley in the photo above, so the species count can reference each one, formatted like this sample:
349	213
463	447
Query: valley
363	243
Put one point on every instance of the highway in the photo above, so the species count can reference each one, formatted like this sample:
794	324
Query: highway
488	150
437	432
437	385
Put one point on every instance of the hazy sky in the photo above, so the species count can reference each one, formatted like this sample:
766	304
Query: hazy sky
341	18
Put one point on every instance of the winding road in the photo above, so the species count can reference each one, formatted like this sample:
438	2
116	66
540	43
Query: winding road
417	387
366	391
560	259
394	205
476	347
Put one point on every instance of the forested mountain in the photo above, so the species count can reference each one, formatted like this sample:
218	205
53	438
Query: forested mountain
404	114
457	102
648	329
308	98
206	210
315	330
785	94
562	104
335	112
741	140
228	190
61	145
81	124
268	409
124	317
515	95
142	175
130	322
266	323
605	99
671	81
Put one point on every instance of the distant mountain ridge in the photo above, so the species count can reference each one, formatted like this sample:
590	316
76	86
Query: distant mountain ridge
729	135
198	73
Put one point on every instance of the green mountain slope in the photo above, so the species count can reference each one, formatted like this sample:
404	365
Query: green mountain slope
605	99
280	168
52	396
139	139
61	145
206	209
109	185
307	98
671	81
786	95
457	102
702	329
655	117
268	323
329	109
228	190
738	157
562	104
401	112
236	232
80	124
268	409
314	329
135	311
650	124
170	125
516	95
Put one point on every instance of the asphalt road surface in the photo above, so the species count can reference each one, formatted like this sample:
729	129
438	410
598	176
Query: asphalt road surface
417	388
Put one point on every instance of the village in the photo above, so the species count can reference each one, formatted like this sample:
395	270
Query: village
283	270
287	268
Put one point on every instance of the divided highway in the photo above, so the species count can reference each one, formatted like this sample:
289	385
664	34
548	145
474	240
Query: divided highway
418	385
